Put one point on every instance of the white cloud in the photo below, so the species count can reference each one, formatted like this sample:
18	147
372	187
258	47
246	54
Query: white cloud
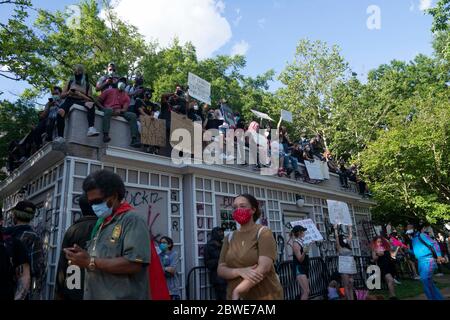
238	17
425	4
262	23
198	21
240	48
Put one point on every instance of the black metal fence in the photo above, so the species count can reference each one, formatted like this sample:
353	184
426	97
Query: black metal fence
321	272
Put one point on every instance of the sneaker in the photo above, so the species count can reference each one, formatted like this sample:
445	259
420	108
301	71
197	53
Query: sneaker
92	132
60	140
106	138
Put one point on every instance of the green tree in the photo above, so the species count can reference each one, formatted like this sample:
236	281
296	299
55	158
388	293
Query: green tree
16	120
309	80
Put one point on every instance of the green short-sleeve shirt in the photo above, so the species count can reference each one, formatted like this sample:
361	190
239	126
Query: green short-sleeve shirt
125	236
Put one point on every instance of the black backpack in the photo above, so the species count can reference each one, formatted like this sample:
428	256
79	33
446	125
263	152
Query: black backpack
34	247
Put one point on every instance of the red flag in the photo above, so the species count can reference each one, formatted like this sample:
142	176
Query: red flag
158	285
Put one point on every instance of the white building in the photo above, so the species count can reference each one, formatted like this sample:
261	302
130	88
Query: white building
182	201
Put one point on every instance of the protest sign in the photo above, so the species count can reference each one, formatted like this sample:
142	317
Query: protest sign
339	213
317	170
286	116
312	233
262	115
199	89
347	265
153	132
181	121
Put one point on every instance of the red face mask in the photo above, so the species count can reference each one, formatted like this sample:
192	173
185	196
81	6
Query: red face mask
242	215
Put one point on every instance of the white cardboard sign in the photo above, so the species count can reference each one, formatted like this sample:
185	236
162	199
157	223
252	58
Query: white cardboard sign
339	213
286	116
347	265
312	233
199	89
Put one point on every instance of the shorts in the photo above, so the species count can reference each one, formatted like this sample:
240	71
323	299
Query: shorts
301	271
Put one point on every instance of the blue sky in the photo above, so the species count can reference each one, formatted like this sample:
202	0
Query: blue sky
268	30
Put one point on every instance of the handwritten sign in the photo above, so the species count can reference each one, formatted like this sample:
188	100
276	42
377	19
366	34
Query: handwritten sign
347	265
312	233
286	116
317	170
339	213
179	121
199	89
153	132
262	115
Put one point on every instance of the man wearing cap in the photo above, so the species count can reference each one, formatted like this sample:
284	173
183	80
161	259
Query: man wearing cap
23	213
115	103
109	80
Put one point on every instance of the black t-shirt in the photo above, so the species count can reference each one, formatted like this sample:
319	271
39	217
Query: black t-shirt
213	124
12	255
148	106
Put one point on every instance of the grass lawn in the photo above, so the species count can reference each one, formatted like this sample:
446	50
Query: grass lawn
408	289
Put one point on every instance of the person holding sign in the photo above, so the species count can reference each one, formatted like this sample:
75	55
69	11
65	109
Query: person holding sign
301	260
248	255
345	250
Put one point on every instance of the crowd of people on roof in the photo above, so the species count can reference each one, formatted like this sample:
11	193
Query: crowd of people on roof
117	97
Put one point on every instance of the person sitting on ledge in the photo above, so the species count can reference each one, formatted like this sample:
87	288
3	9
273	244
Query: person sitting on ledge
115	102
77	91
109	80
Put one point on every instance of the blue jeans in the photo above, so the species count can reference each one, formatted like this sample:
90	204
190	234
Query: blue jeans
427	266
293	161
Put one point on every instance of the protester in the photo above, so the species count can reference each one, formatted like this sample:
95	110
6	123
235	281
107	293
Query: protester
135	90
109	80
115	103
169	261
344	249
15	275
381	255
410	258
332	165
301	260
178	101
343	174
333	290
23	213
78	234
318	147
212	256
119	250
77	91
248	256
47	118
429	255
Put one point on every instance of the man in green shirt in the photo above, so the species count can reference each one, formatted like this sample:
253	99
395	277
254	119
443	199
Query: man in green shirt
118	253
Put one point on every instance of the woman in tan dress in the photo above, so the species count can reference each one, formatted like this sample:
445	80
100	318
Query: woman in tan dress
248	255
